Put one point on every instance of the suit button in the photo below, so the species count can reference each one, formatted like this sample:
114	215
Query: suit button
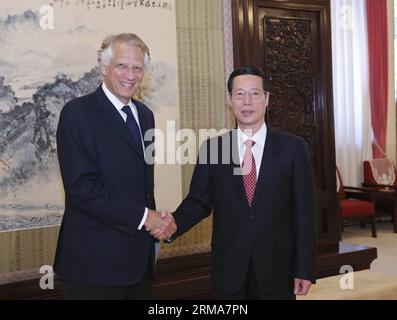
248	245
122	228
251	217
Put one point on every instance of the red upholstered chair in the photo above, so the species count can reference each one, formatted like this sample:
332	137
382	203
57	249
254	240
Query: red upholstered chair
381	176
355	205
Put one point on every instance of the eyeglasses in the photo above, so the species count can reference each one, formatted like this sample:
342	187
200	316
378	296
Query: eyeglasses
254	94
123	68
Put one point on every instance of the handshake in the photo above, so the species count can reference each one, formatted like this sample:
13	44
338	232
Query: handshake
160	225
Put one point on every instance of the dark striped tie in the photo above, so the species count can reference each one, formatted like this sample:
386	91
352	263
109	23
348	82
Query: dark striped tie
133	128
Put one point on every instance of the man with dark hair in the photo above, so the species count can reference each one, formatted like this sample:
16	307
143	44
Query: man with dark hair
262	199
248	70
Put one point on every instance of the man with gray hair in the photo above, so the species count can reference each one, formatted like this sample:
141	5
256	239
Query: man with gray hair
104	248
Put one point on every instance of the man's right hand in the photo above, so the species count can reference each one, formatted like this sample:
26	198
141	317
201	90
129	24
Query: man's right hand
160	225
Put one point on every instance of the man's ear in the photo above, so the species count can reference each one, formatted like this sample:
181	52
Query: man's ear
229	99
267	95
104	69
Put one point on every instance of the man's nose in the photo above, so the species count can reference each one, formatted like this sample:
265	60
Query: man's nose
130	74
246	98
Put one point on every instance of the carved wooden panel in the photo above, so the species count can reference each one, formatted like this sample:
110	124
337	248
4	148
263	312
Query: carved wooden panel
289	62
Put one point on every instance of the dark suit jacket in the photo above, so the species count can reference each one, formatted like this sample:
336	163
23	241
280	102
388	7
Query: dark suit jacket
277	233
107	187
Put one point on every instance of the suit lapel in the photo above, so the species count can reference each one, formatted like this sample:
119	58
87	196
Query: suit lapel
269	159
113	118
235	168
144	122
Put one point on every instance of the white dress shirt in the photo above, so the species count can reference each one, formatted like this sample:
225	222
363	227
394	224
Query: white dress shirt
257	150
119	105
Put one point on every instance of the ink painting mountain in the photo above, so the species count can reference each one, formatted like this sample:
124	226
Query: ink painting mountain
40	71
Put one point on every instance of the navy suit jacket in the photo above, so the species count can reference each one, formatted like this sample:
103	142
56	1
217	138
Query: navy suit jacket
107	187
277	234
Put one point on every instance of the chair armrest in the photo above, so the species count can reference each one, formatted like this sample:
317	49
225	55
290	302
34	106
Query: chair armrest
367	194
385	186
362	189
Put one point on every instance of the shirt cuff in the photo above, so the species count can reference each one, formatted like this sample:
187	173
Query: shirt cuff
143	219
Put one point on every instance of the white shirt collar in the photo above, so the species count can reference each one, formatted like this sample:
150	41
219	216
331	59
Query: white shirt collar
259	137
114	100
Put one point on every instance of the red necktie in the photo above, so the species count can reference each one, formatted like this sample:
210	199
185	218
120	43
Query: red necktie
249	171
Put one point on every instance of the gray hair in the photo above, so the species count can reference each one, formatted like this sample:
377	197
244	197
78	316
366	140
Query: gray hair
105	53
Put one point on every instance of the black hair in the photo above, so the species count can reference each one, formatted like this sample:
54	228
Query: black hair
248	70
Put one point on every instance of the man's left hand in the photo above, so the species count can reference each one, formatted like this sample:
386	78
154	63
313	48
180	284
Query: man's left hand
302	287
